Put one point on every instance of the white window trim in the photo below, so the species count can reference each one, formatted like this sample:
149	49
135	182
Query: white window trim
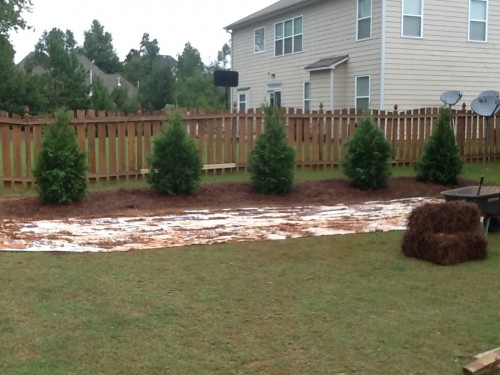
304	99
485	22
273	88
356	97
359	19
255	45
412	15
293	37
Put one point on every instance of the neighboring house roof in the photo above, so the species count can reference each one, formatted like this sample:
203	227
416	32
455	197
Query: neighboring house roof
270	11
168	60
327	63
110	81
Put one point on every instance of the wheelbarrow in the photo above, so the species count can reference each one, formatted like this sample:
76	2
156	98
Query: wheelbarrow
487	198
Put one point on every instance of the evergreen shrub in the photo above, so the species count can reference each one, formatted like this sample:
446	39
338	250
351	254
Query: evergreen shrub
441	162
61	168
368	152
175	162
272	161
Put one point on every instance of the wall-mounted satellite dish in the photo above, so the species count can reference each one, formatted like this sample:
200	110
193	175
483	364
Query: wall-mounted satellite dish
486	105
494	93
451	97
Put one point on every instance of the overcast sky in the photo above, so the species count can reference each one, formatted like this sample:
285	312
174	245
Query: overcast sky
173	24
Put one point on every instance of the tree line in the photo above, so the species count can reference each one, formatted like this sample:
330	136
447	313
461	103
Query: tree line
53	76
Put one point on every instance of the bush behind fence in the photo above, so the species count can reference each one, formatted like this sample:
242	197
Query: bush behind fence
117	145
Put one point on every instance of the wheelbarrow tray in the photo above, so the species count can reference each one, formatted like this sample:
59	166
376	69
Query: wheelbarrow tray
488	199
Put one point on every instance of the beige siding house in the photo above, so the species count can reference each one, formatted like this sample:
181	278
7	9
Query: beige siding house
365	53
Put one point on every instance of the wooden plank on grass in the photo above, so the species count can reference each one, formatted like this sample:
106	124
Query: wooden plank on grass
485	364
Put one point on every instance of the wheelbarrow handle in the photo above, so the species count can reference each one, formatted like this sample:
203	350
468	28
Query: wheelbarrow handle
480	185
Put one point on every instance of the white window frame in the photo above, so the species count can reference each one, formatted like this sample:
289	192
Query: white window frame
272	89
256	47
306	95
293	37
246	94
357	96
359	19
484	21
404	15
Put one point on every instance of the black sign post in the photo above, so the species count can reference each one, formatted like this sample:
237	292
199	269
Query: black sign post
227	79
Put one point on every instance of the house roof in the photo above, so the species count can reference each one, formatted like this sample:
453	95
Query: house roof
275	9
110	81
327	63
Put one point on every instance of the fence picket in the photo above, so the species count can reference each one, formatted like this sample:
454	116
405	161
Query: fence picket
118	145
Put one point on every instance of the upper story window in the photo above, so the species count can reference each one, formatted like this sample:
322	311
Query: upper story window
362	92
478	20
288	36
259	44
413	18
364	19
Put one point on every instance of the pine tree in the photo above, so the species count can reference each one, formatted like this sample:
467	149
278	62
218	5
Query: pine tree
272	162
61	168
441	162
175	162
366	164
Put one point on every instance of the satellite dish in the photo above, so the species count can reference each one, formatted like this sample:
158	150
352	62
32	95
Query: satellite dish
451	97
490	93
486	105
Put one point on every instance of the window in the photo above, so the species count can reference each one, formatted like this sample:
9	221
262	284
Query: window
364	19
307	96
413	11
478	19
259	44
274	95
288	37
362	92
242	101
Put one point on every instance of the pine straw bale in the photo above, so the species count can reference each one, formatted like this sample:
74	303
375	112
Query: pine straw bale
445	233
446	248
448	217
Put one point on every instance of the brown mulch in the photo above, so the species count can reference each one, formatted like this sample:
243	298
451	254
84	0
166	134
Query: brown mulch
135	202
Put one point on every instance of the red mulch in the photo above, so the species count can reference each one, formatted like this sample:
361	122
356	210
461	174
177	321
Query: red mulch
134	202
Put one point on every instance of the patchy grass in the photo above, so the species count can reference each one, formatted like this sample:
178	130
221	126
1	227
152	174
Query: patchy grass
327	305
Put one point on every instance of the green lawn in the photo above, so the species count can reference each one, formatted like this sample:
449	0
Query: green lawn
328	305
321	305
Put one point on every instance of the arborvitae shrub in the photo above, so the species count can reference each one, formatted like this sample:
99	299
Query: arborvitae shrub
61	168
272	161
441	162
366	164
175	162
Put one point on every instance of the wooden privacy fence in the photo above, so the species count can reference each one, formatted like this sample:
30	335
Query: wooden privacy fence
118	146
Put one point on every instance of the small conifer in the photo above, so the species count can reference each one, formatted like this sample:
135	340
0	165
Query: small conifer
61	167
175	162
272	161
441	162
368	152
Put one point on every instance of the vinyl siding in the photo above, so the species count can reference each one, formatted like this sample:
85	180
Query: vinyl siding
443	59
329	29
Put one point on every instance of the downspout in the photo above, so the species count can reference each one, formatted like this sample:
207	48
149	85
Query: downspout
332	91
382	55
231	68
